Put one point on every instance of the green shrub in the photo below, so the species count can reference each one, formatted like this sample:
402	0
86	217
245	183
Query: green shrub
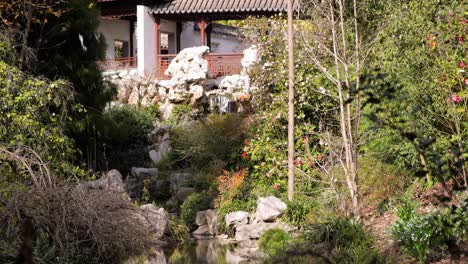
418	235
349	239
180	114
338	240
34	114
179	231
123	133
298	211
198	143
194	203
274	241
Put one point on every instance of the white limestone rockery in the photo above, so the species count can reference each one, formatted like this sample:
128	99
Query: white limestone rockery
189	82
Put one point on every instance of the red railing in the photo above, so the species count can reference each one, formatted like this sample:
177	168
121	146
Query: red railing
219	64
117	64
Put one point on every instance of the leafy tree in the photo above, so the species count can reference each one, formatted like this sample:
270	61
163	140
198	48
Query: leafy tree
21	16
423	48
35	112
62	41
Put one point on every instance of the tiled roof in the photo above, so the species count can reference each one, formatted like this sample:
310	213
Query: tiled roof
170	7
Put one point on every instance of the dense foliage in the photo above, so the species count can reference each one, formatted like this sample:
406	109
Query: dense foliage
274	241
36	111
123	136
408	118
334	240
422	236
51	91
423	118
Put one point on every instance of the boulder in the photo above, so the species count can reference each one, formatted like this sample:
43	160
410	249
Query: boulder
178	180
183	193
124	88
112	181
250	58
237	218
270	208
255	230
198	92
207	221
155	219
135	181
165	109
234	83
134	97
159	135
156	156
189	65
244	252
144	173
159	138
179	95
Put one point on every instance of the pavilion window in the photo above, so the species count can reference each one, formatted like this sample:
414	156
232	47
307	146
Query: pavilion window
121	49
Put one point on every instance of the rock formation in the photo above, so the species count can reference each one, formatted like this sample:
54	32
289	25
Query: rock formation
155	219
207	222
190	83
112	181
269	208
160	143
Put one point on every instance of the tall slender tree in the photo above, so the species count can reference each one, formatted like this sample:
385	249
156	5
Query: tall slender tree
291	181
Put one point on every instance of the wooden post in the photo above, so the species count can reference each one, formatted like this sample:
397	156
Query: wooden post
290	105
209	28
202	26
157	45
178	33
132	31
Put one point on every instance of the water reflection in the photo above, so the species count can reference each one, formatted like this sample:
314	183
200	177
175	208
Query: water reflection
194	252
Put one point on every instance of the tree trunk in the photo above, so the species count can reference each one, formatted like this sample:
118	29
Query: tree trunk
290	105
24	45
25	255
422	158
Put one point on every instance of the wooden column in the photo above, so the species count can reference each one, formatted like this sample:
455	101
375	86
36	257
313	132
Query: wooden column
157	43
178	33
209	28
202	25
132	31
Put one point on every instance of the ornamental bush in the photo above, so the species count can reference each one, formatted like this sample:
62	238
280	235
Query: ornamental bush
274	241
123	137
195	202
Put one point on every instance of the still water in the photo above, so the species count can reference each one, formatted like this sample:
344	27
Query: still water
195	252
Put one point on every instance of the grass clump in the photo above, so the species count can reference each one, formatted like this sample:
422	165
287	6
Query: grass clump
424	236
